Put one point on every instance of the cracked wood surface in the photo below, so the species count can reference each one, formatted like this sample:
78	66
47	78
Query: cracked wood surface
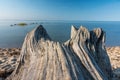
82	57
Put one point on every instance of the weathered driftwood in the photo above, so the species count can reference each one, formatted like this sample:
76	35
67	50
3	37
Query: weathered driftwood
82	57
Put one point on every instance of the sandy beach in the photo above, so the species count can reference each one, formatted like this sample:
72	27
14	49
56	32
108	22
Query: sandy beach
9	56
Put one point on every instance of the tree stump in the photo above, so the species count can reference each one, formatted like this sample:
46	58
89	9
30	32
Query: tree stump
82	57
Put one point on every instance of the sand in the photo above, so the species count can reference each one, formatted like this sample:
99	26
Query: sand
8	60
114	55
9	56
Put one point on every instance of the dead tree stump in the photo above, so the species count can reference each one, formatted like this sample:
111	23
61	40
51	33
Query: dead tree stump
82	57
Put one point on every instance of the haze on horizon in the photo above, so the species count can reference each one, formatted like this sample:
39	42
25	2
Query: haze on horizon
91	10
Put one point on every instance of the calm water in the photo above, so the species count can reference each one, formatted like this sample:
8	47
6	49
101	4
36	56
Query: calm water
57	30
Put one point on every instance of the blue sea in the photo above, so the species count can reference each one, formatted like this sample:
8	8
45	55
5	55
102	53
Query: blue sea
13	36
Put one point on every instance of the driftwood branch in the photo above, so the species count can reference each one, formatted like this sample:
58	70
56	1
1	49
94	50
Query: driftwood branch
82	57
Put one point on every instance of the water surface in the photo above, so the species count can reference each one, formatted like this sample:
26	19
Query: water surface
13	36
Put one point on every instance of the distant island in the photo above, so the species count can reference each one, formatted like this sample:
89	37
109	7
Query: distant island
23	24
20	24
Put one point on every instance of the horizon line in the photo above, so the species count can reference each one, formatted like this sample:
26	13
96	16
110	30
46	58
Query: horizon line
54	20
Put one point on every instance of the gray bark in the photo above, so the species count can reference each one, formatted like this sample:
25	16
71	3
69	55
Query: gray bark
82	57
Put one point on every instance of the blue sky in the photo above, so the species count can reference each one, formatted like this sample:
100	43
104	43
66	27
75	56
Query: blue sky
90	10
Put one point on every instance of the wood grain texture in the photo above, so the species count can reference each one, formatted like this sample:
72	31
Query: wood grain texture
82	57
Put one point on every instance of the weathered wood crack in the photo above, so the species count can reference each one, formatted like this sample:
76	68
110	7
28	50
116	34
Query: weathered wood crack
82	57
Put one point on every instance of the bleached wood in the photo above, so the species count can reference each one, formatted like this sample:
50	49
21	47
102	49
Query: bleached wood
82	57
